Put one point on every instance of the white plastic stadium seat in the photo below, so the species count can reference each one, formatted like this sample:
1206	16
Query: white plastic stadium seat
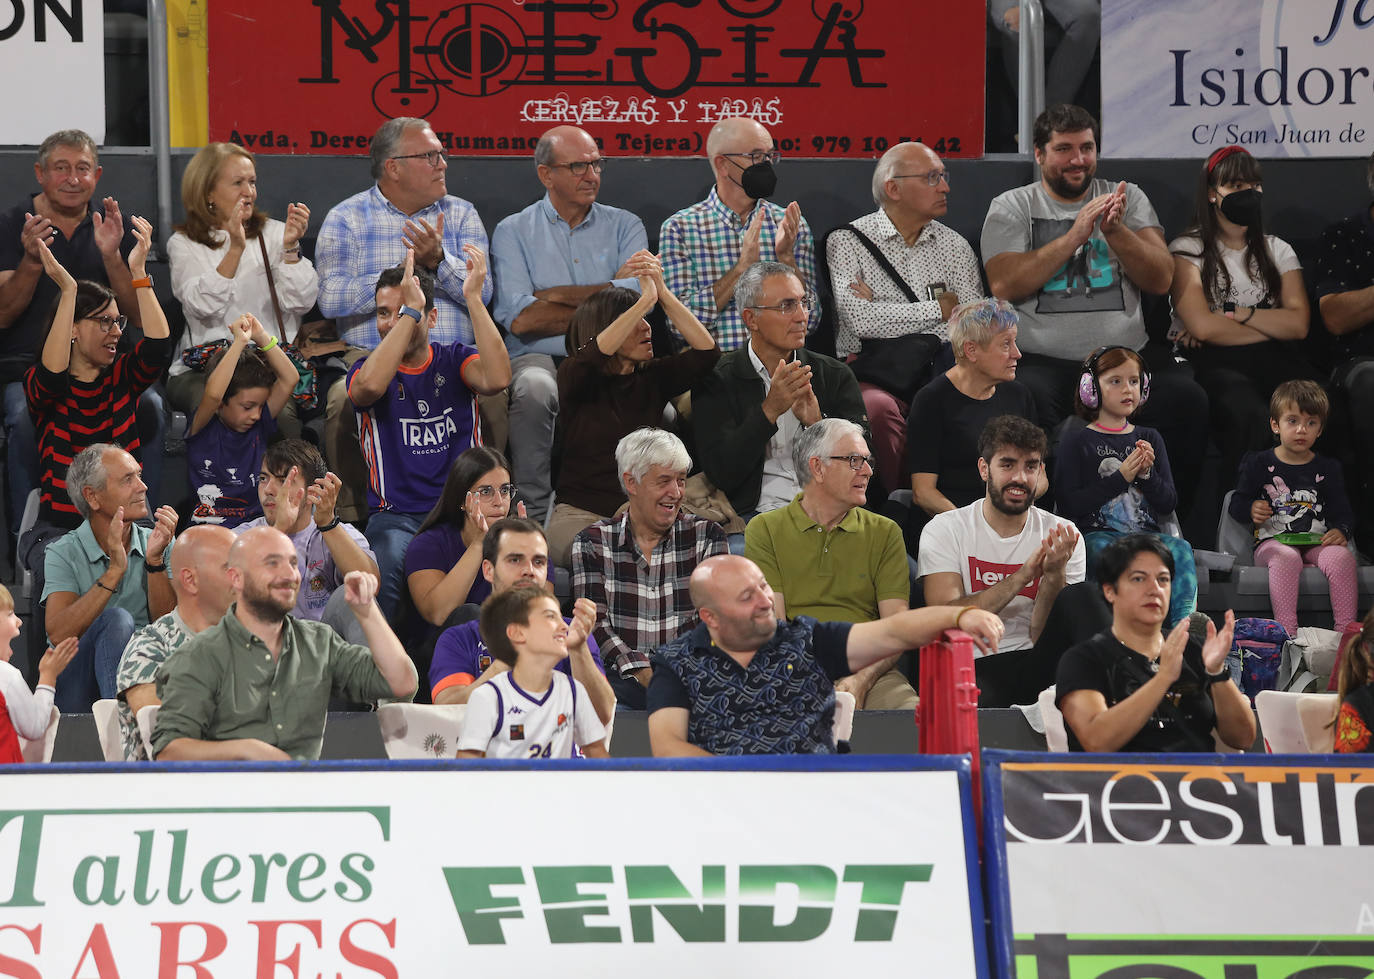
1056	737
841	729
106	714
1316	711
421	730
37	752
1279	723
146	718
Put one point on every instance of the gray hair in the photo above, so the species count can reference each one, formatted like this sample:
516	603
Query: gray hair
543	150
818	442
882	173
389	134
645	448
978	323
67	137
87	471
749	287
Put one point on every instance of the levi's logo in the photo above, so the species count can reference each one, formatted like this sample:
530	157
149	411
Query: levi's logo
985	574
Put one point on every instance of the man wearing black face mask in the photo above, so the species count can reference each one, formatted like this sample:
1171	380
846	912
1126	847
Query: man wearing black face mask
1345	297
1074	253
707	246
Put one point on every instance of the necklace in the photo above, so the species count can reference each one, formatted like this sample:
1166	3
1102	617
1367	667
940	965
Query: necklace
1114	431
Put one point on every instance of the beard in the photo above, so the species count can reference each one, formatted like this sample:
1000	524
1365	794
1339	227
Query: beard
1062	186
1001	504
264	605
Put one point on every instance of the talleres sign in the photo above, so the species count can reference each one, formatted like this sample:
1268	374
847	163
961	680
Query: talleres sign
373	873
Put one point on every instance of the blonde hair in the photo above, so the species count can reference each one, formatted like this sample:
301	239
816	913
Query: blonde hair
6	600
196	184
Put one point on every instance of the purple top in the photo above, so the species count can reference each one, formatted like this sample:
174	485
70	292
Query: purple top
223	467
438	549
461	656
411	435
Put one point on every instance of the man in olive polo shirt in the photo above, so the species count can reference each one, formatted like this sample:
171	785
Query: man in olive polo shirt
825	556
256	687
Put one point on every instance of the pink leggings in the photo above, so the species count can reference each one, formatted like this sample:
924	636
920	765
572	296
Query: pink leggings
1285	564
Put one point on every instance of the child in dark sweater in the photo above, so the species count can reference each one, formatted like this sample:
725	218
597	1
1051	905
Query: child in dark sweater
1112	478
1295	500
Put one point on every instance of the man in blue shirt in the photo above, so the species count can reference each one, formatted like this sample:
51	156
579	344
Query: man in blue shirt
546	260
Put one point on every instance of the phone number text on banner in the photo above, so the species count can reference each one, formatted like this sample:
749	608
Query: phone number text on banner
828	78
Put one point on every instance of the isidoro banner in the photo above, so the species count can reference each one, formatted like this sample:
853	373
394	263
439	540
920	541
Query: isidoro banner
1283	78
794	868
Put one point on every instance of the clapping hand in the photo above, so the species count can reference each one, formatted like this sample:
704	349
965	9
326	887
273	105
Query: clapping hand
476	265
60	276
109	230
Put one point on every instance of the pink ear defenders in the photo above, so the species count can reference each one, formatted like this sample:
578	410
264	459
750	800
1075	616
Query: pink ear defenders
1090	392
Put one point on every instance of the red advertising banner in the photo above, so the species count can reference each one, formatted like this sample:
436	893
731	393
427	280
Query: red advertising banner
645	77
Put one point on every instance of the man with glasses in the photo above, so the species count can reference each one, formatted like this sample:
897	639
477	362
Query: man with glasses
298	495
635	567
936	264
708	246
747	413
408	207
92	241
825	556
547	259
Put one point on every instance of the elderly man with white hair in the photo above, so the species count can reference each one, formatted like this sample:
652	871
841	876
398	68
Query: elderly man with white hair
897	274
825	556
636	566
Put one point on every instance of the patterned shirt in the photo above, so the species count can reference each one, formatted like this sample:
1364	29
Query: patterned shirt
69	415
782	703
640	605
361	237
940	254
701	243
147	650
1346	263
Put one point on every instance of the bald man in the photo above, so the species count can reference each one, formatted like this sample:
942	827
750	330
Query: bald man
200	582
546	259
706	247
746	683
256	686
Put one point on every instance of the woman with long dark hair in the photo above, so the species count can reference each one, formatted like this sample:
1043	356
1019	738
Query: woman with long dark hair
1239	303
611	384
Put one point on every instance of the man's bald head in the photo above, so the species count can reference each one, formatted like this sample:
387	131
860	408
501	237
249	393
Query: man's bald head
739	134
734	601
201	548
715	576
559	138
252	543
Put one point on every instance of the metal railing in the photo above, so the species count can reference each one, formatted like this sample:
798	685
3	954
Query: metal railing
160	117
1030	95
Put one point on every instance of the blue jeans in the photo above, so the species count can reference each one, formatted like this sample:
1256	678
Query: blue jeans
390	533
90	675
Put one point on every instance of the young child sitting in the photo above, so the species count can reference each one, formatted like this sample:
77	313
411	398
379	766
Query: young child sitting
1295	500
244	393
1355	719
23	713
530	710
1112	478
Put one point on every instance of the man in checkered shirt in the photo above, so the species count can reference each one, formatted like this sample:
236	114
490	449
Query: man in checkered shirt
636	566
707	246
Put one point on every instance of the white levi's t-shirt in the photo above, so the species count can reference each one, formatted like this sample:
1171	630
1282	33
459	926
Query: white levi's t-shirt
961	541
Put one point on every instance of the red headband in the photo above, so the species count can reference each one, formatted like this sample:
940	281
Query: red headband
1222	154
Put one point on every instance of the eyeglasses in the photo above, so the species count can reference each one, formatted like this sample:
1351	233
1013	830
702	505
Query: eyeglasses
856	461
789	306
433	157
108	323
579	167
931	177
486	491
759	156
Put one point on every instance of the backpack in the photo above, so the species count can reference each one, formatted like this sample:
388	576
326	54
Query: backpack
1256	654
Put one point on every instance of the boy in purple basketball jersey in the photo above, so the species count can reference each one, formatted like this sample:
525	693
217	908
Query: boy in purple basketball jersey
416	404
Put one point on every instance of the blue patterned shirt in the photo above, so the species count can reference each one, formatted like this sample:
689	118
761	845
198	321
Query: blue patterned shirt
535	249
361	237
701	243
782	703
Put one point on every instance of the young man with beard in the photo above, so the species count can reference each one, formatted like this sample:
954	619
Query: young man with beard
256	686
1007	556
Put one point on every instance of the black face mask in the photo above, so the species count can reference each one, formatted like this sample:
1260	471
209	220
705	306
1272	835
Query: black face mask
1242	207
759	181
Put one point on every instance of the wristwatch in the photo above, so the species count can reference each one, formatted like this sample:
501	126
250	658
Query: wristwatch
410	311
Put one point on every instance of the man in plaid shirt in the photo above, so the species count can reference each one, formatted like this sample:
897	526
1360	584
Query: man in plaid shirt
707	246
636	566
